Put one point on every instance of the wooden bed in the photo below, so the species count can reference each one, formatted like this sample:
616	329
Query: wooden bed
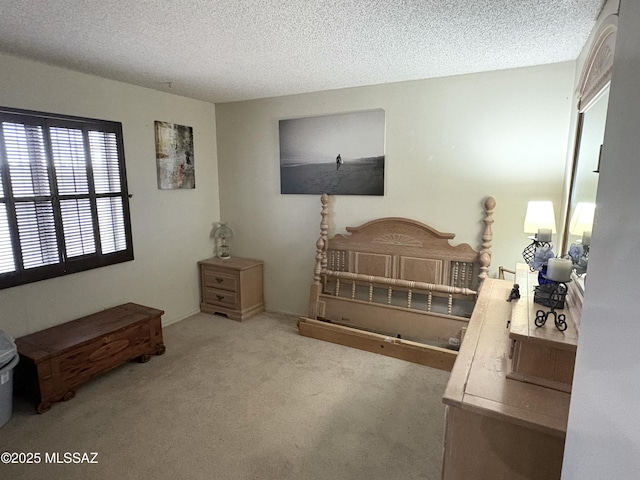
397	287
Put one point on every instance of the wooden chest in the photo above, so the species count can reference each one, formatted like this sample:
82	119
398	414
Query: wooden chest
53	362
232	287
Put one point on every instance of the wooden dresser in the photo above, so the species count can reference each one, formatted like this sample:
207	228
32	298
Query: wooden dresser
55	361
232	287
503	421
543	355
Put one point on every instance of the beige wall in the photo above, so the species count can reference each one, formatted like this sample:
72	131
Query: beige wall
450	142
603	438
170	227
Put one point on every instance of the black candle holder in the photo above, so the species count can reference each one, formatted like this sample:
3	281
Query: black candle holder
547	294
557	292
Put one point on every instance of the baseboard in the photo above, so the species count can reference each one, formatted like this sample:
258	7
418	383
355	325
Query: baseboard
166	323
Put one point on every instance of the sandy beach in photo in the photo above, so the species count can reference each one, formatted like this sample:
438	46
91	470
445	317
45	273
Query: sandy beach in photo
356	178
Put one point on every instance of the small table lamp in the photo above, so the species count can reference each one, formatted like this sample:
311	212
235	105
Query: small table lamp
580	225
540	220
222	234
582	221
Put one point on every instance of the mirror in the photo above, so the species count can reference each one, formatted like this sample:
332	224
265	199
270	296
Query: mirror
593	100
586	167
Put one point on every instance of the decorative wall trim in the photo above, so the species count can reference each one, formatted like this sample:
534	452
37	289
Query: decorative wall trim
598	67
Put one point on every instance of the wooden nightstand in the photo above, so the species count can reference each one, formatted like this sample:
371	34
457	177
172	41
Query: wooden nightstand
232	287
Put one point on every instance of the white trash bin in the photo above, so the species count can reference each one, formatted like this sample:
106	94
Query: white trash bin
8	360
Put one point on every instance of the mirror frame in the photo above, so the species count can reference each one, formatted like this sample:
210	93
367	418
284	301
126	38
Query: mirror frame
596	75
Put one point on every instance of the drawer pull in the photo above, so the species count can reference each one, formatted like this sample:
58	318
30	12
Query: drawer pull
220	297
219	279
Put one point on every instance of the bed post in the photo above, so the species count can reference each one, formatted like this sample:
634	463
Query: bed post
485	252
321	259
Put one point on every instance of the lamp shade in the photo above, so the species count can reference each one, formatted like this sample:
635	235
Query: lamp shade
223	231
540	215
222	234
582	218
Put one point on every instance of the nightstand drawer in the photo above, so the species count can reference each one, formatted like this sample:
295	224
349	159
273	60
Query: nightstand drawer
221	279
231	287
220	297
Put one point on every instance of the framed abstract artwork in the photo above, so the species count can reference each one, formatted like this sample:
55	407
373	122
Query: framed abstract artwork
174	156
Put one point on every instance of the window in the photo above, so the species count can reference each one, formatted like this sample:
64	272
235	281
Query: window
63	196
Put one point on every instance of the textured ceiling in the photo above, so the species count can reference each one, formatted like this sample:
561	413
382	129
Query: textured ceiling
228	50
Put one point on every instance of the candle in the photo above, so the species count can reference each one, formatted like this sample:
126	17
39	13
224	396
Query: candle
559	269
586	239
544	235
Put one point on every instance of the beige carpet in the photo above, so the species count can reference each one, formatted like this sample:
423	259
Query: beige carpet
250	400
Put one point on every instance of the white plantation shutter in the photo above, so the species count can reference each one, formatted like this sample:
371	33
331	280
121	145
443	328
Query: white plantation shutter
63	200
67	149
106	178
6	252
70	162
37	231
104	158
110	218
25	154
26	158
77	223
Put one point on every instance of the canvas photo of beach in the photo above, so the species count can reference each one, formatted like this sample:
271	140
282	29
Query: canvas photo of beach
340	154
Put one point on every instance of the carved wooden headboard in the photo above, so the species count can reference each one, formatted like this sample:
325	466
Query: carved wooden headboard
404	249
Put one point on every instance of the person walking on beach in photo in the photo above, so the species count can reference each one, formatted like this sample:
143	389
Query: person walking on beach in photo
338	162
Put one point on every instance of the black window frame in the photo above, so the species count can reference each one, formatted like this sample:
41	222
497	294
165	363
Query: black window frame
91	199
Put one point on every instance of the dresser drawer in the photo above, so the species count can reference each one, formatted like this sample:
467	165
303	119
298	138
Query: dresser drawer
220	279
220	297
